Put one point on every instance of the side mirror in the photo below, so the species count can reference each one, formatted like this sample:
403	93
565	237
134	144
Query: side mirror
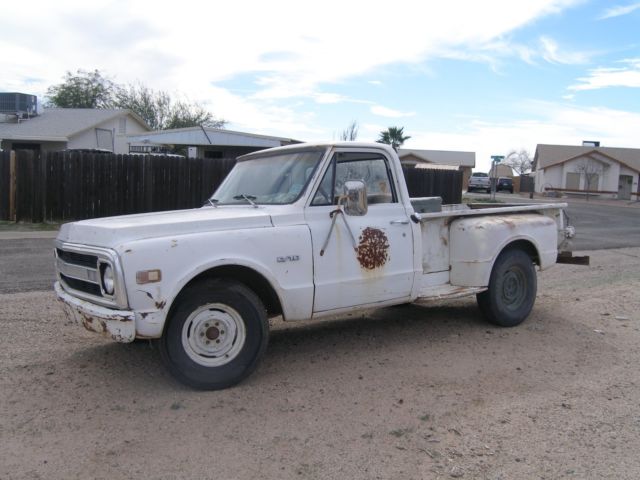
355	194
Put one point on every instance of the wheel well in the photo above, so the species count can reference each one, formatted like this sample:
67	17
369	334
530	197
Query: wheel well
247	276
527	247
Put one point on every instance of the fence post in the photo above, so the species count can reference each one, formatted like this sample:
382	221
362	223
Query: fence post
12	186
147	182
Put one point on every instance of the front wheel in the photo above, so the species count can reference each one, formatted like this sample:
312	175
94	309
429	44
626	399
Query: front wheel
216	335
512	289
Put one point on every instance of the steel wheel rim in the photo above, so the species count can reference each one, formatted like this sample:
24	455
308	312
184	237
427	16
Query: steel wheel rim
213	335
514	288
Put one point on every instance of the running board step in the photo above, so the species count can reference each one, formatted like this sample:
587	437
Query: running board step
447	291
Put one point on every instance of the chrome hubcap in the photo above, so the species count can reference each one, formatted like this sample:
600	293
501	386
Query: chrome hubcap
213	335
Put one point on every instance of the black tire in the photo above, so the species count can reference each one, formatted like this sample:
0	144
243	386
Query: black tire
216	335
512	289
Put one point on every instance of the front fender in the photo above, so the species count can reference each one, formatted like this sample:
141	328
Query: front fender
282	255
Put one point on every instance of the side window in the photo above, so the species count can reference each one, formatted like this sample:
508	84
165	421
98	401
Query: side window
324	194
372	169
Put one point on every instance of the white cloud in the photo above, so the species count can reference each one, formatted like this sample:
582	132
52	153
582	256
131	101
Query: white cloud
495	52
605	77
291	54
549	123
245	115
551	53
619	10
253	63
389	112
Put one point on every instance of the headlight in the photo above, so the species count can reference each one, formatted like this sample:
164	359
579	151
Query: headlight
108	281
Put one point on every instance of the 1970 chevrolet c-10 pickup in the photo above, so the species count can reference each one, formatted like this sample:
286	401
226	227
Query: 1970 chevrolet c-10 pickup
302	231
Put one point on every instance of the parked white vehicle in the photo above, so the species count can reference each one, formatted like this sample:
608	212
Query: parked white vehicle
479	181
302	231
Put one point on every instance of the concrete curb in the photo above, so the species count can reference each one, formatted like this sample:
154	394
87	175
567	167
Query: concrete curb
17	235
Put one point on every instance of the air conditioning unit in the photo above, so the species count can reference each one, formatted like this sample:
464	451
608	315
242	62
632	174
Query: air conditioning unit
21	105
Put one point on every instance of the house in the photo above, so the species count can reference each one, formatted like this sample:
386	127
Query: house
203	142
56	129
502	170
608	172
464	161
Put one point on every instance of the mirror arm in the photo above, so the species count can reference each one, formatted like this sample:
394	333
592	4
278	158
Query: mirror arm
334	216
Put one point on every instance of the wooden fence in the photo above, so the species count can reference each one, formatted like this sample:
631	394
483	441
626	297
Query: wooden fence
65	186
423	182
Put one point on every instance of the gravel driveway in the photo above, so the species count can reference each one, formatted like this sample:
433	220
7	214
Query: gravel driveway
403	393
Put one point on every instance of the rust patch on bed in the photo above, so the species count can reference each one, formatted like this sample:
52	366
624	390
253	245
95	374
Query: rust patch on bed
373	248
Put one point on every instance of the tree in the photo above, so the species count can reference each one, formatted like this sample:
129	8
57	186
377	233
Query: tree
520	161
157	108
393	136
160	112
82	90
592	171
350	133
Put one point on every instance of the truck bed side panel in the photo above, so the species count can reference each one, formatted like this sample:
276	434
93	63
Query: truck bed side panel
475	243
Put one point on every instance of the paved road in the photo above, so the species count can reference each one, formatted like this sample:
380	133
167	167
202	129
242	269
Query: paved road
27	264
602	227
598	226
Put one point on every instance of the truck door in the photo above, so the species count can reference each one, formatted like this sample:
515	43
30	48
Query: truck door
367	259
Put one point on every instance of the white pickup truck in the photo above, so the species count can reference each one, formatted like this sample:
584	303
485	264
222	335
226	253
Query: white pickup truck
302	231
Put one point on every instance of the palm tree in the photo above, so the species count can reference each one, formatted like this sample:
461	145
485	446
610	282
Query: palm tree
393	136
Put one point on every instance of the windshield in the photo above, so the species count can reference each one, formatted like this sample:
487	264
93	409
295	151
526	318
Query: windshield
273	179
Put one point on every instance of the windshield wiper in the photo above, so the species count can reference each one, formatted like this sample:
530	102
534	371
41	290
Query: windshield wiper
213	202
248	198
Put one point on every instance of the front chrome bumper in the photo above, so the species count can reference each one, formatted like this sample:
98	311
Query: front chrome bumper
120	325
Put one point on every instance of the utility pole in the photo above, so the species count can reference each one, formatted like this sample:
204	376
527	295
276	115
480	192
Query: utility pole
495	160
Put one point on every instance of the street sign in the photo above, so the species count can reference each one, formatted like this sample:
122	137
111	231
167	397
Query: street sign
497	158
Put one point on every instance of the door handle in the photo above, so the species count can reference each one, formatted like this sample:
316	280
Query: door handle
399	222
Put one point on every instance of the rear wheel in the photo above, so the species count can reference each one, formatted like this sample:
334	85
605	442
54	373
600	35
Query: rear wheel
512	289
216	335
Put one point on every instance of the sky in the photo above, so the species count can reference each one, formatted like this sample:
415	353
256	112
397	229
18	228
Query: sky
487	76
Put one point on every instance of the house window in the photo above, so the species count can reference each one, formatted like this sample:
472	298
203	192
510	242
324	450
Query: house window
122	125
104	139
573	181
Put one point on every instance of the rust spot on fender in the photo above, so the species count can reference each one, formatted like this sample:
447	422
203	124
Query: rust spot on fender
373	248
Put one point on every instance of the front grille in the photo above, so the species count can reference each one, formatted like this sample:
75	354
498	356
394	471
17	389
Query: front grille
74	258
79	271
81	285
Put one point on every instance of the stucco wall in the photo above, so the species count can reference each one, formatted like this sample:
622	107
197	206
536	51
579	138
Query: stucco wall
88	139
608	172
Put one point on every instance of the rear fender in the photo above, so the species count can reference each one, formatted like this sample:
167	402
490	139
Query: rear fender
476	242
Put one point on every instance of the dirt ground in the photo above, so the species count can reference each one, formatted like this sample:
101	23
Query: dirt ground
405	393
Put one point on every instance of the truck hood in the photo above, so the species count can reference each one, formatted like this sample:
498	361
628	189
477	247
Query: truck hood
113	231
